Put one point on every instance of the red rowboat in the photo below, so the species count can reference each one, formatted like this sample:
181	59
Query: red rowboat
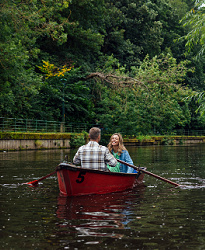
74	181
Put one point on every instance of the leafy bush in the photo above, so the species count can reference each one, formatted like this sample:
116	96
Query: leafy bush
78	140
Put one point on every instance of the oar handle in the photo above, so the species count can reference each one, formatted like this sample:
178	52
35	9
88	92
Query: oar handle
149	173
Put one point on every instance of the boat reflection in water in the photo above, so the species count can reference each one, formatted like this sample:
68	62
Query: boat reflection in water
98	215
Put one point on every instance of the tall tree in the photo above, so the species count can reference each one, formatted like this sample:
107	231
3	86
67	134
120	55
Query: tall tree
153	100
194	20
22	23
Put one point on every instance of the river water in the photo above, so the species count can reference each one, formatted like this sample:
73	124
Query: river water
157	216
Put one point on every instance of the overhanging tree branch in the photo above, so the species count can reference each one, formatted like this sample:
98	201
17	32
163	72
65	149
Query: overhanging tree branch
115	80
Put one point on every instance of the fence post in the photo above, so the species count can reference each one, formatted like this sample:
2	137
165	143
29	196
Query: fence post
14	124
26	125
62	127
54	126
3	124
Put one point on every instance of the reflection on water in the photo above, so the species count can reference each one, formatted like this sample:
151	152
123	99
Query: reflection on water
97	212
158	216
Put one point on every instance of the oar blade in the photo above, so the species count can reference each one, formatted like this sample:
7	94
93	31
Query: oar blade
35	182
32	183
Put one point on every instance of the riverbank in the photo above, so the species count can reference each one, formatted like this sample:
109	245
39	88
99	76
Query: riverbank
36	141
33	141
164	140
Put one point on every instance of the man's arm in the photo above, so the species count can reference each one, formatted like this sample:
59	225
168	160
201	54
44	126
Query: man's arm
109	159
76	159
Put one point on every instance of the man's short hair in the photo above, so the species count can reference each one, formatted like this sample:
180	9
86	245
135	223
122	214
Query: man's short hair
94	133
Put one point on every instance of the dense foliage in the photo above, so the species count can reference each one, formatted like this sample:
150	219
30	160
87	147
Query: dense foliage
130	65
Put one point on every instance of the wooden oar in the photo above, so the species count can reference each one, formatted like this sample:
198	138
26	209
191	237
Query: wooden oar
149	173
35	182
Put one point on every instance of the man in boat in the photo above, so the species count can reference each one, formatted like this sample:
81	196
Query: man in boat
93	155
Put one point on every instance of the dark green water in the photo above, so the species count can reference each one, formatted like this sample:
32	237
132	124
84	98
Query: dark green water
158	216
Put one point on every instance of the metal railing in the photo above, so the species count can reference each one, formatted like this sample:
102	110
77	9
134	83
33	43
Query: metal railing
29	125
187	132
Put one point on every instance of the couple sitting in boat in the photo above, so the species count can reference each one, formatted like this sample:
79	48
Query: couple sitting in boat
95	156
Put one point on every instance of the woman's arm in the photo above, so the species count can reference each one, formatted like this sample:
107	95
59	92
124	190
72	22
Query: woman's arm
128	160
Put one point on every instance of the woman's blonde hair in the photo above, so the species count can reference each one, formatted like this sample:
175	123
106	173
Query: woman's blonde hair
121	145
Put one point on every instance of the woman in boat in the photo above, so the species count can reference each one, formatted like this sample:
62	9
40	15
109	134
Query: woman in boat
117	148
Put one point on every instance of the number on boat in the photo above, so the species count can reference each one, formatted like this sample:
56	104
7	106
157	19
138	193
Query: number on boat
80	177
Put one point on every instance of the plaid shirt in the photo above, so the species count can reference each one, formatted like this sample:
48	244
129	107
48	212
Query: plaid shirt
94	156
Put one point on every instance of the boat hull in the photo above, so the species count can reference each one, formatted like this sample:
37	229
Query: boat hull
76	181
